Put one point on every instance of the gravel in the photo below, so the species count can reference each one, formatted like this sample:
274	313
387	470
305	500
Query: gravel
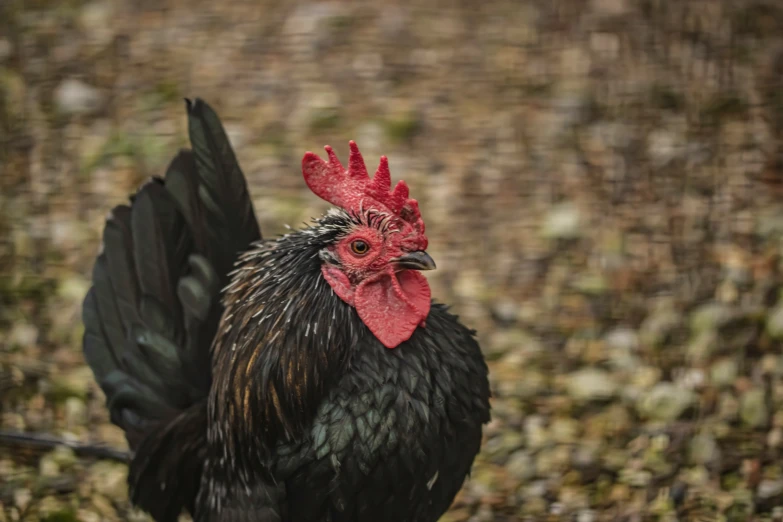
602	194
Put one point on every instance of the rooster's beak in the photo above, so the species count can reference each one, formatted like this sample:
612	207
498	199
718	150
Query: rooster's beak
419	260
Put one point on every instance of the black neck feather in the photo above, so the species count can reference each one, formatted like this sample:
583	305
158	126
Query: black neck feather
283	339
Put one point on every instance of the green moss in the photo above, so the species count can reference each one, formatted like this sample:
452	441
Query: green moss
168	91
118	143
153	151
537	89
274	135
663	97
591	284
723	106
63	515
289	210
324	120
341	23
74	383
403	128
14	288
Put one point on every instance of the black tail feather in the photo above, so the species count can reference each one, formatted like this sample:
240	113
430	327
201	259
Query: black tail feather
165	473
154	307
224	203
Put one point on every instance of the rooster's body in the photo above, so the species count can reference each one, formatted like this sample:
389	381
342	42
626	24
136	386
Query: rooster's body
278	399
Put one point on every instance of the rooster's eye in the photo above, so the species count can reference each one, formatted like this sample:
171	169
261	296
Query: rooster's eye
359	247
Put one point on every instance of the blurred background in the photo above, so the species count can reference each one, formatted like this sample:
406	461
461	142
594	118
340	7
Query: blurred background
601	181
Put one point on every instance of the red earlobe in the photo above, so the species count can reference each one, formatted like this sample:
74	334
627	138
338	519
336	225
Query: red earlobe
339	283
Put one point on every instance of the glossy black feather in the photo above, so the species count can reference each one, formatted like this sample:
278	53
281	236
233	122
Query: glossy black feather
229	222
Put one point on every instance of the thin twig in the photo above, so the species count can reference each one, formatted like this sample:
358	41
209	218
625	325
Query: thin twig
45	441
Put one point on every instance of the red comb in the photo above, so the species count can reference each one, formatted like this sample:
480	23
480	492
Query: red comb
353	189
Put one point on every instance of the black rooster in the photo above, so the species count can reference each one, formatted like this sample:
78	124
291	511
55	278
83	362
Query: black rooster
283	401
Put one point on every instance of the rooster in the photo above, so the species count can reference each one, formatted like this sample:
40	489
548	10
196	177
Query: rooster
306	378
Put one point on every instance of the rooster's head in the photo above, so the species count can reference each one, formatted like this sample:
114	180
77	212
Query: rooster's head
374	261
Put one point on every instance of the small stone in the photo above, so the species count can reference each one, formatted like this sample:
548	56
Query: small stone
775	438
371	136
393	21
775	322
728	407
483	514
591	384
75	412
665	402
692	378
6	49
97	22
701	347
48	467
110	480
710	316
623	338
533	506
22	335
607	45
585	515
505	311
84	515
585	457
622	345
238	135
770	488
704	449
753	408
73	288
64	457
521	466
638	478
535	490
562	222
104	507
553	461
659	326
73	383
564	430
76	97
535	432
614	459
643	378
772	365
483	481
727	292
22	498
368	65
724	372
14	421
313	25
500	447
591	283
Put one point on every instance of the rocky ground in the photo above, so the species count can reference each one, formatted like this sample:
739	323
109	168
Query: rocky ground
602	186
